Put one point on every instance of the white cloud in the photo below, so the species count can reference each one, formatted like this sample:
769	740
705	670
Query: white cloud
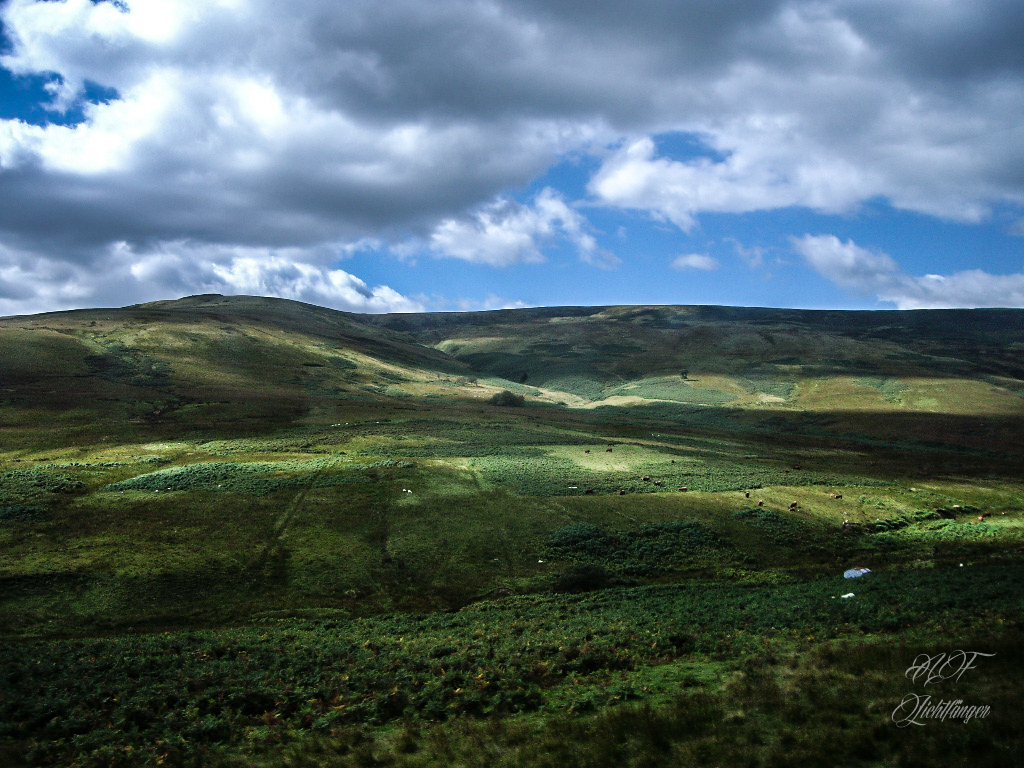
850	266
751	178
695	261
821	106
490	303
122	275
266	125
264	272
506	232
754	256
862	271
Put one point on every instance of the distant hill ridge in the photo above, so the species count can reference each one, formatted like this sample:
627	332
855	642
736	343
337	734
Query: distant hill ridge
206	348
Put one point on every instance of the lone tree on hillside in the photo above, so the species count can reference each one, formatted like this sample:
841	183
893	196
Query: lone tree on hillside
507	398
684	374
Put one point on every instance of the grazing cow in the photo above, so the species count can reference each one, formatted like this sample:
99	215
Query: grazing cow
646	478
683	488
760	502
792	507
659	482
622	493
673	461
746	495
607	450
589	490
797	466
587	451
786	471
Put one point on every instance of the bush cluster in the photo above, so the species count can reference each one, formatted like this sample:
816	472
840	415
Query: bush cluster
19	513
777	527
648	551
122	364
506	398
23	486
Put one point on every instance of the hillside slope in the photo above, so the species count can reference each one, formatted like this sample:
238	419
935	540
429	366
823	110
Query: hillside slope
206	348
276	456
227	523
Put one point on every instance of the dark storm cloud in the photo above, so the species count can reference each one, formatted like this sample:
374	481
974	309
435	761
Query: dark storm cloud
949	43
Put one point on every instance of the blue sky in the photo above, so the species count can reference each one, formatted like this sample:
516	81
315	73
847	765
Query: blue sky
406	155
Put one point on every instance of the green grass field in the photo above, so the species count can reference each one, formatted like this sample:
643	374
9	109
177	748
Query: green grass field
239	531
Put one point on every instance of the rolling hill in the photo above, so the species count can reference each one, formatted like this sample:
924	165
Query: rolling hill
232	475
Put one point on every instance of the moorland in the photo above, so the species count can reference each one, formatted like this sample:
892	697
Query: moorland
242	531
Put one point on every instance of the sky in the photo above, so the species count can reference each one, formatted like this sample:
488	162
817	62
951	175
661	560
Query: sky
452	155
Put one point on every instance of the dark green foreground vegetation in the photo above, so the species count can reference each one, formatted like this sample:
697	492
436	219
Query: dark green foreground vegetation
242	532
810	679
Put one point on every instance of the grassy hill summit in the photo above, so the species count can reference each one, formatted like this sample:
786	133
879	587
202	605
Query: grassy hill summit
281	521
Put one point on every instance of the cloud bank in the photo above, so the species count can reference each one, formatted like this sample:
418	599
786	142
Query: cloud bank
295	130
865	272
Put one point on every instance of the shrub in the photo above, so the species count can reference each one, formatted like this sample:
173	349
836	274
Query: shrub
19	513
582	539
507	398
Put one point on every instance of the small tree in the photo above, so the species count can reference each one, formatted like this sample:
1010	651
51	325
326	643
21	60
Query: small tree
507	398
684	374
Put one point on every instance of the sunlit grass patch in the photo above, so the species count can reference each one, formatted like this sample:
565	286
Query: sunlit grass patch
675	389
253	478
961	396
822	394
